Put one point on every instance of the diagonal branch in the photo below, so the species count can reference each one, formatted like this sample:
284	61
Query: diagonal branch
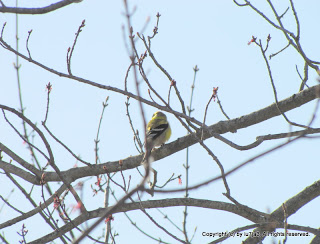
221	127
95	84
292	206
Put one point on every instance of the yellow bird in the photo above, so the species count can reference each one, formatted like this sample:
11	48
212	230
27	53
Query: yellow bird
158	130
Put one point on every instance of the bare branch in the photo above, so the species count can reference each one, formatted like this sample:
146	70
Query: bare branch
101	86
275	91
221	127
70	51
244	212
292	206
43	10
9	204
27	43
34	211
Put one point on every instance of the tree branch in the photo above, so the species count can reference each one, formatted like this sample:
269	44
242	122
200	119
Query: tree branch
221	127
244	212
43	10
292	206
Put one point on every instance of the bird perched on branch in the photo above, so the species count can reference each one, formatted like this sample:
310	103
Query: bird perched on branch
158	130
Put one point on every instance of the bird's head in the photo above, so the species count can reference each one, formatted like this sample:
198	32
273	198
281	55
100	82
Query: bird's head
159	115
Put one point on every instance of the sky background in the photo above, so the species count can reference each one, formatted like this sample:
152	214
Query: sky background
213	35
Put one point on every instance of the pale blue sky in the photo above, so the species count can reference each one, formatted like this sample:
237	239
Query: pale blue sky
210	34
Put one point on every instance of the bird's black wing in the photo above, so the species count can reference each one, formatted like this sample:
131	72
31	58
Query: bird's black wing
157	131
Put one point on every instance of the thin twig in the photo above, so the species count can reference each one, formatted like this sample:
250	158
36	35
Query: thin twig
221	108
49	88
297	20
274	88
2	30
106	204
8	203
135	132
96	141
70	52
172	178
27	43
62	144
166	217
126	78
213	96
305	78
186	166
274	54
281	16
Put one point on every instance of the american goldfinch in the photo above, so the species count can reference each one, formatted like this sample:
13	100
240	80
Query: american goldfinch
158	130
